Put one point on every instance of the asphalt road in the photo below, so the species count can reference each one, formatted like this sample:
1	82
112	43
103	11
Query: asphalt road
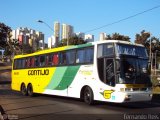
45	107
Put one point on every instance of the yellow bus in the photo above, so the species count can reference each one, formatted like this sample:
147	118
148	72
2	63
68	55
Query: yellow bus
111	71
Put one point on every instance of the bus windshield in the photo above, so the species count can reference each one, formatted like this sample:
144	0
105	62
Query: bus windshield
139	51
133	71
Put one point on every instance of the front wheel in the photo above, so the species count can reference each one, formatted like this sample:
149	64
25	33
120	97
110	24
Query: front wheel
88	96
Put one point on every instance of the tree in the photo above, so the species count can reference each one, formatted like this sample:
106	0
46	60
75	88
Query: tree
11	46
117	36
75	40
4	35
142	38
155	44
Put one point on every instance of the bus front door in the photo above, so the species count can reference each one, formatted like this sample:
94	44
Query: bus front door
109	72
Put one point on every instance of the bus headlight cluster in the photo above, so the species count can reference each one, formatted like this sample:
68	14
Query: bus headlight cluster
122	89
149	89
126	89
135	89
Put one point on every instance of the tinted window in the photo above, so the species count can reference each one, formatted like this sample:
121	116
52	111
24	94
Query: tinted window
19	63
70	57
131	50
15	64
28	62
89	52
105	50
109	72
80	57
42	60
23	63
62	58
85	55
55	59
47	60
36	61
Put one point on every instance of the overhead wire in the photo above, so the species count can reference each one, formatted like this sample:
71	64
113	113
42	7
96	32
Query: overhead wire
129	17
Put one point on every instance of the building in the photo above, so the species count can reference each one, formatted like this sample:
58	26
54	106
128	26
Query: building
41	44
29	37
102	36
67	31
40	39
51	42
89	38
57	32
80	35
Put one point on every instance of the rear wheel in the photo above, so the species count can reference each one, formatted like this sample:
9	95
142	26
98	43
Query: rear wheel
30	90
88	96
23	89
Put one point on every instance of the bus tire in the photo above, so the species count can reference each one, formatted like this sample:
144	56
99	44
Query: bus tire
88	96
23	89
30	90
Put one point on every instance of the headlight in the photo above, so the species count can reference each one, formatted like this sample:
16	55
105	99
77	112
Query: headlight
122	89
128	89
149	89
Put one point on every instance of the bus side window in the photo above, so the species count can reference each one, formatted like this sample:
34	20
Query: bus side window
105	50
89	55
15	64
108	49
50	59
62	58
19	63
80	58
47	60
42	60
55	59
28	62
36	61
23	63
70	57
32	62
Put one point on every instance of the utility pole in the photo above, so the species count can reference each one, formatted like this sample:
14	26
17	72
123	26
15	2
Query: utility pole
150	55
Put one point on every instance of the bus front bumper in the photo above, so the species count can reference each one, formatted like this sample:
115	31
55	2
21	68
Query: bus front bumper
134	97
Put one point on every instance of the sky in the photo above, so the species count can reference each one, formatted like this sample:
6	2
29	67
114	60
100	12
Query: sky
84	15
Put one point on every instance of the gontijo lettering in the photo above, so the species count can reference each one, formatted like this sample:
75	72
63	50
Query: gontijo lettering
38	72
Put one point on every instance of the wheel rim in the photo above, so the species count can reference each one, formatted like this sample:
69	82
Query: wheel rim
87	96
30	90
23	89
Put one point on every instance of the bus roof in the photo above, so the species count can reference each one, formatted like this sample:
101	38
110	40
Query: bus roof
54	50
74	47
117	41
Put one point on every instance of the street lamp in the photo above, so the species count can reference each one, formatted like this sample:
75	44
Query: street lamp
40	21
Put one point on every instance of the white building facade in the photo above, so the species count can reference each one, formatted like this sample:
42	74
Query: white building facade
56	32
89	38
51	42
67	31
102	36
